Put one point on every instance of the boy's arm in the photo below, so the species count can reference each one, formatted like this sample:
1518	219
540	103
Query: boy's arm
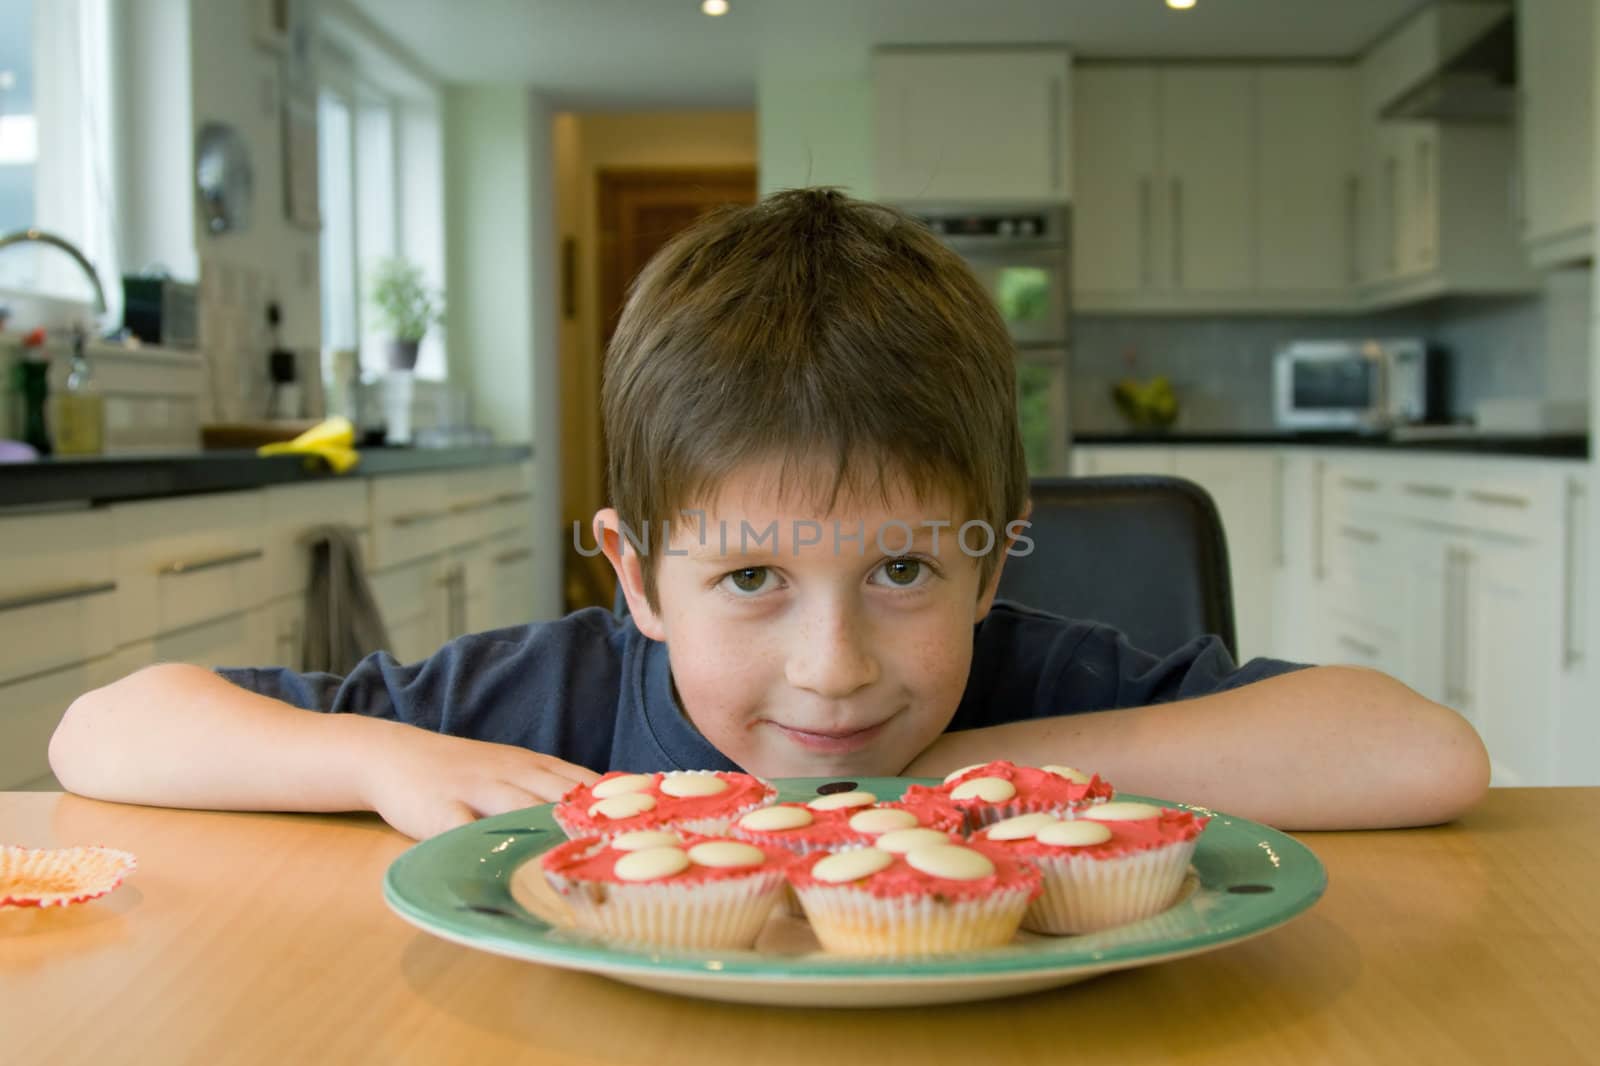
1325	748
180	736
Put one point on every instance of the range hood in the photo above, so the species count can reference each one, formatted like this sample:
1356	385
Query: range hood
1474	79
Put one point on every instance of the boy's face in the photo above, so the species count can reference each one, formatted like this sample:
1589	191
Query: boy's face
803	655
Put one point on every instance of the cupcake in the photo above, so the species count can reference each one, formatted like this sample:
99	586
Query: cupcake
916	892
663	889
991	792
692	801
1117	863
841	820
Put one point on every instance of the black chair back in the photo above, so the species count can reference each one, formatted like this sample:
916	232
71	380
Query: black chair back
1145	554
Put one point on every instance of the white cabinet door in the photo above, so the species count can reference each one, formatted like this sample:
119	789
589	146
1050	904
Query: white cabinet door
1555	72
1115	146
972	125
1513	661
1243	483
30	710
1307	159
1208	198
1124	459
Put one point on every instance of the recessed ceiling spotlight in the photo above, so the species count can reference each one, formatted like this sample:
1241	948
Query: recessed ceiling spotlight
1176	5
720	7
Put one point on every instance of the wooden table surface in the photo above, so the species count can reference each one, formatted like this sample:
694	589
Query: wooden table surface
265	938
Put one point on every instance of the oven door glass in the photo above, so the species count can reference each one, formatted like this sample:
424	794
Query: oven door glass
1042	410
1030	289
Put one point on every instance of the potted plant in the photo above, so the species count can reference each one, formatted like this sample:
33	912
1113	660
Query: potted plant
406	308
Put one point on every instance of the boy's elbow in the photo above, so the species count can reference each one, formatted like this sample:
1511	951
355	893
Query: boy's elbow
84	738
1464	769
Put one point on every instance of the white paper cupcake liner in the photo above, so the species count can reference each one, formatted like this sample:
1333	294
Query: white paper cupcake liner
990	813
55	877
852	921
705	915
1084	894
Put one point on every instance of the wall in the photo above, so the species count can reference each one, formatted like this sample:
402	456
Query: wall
500	267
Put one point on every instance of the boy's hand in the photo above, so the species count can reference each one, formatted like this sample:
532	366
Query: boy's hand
424	783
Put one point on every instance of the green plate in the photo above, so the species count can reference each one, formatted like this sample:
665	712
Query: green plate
1246	880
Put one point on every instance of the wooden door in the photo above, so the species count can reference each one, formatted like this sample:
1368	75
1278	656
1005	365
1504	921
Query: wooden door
639	212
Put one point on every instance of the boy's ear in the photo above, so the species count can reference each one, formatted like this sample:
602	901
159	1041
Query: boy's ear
625	561
1015	538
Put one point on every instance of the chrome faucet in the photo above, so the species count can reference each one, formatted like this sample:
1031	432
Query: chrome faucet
39	236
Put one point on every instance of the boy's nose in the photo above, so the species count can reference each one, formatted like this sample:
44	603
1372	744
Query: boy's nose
831	656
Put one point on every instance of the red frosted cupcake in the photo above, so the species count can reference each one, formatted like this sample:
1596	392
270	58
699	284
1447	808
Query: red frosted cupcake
841	820
930	899
1118	863
990	792
691	801
651	887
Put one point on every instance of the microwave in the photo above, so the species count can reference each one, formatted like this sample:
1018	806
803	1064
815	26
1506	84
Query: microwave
1358	385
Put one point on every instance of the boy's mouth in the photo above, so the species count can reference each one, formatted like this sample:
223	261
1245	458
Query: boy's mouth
832	741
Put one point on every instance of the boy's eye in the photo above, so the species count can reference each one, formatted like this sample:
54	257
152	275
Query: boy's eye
748	579
902	573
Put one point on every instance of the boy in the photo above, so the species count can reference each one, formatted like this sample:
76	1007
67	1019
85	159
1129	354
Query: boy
800	398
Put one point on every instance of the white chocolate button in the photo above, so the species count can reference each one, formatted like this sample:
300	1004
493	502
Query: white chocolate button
680	783
1021	827
651	864
726	853
1122	811
1073	834
617	786
953	774
951	862
776	819
882	820
988	789
624	806
1071	773
840	800
904	841
851	865
640	839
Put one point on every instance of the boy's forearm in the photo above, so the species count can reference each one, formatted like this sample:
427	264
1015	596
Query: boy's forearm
180	736
1325	748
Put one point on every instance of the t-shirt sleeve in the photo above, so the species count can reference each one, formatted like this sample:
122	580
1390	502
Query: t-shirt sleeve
551	687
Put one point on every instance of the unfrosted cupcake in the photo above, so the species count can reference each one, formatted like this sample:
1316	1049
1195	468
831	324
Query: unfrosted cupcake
991	792
1117	863
841	820
658	888
692	801
933	897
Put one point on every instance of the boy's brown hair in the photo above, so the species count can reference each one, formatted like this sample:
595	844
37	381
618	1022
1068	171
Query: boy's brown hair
816	329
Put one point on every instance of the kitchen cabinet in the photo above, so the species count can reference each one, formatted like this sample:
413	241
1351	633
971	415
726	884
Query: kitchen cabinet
1555	72
30	708
1213	187
972	124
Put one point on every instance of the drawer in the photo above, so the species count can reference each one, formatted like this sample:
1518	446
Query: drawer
490	500
407	591
411	517
1527	506
57	591
292	510
183	560
31	709
242	639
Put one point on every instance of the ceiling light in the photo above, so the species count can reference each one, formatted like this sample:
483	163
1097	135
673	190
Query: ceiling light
1176	5
720	7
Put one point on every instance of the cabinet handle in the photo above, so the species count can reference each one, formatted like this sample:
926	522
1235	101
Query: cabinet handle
1437	492
1499	499
1571	644
1177	232
1424	201
412	518
1356	533
1319	479
1278	509
512	497
1391	195
1352	217
1144	231
66	592
516	555
181	567
1359	484
1360	647
1054	106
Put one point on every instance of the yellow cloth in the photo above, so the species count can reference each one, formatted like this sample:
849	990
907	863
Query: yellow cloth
331	439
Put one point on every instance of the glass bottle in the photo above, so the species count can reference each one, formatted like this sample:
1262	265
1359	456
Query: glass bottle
80	409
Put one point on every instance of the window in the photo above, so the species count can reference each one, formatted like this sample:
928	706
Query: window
380	172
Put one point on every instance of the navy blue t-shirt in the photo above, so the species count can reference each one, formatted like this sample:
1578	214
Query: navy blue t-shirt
592	690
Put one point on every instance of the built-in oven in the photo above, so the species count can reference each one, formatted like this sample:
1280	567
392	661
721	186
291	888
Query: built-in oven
1361	385
1022	254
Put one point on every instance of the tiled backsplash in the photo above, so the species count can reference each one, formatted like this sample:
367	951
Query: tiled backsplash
1221	366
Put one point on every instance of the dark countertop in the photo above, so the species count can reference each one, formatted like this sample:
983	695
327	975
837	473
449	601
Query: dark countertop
1552	446
101	479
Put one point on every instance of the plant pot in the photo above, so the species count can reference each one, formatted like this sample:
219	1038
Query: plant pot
403	354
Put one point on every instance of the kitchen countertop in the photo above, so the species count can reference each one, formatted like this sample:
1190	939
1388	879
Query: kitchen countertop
1421	439
101	479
